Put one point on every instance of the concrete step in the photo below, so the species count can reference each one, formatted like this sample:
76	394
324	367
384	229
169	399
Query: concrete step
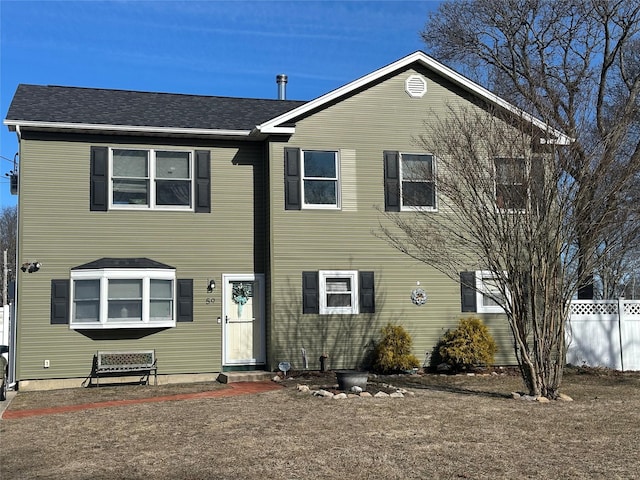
250	376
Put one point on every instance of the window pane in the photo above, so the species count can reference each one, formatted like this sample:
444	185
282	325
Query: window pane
418	194
86	311
509	170
130	192
511	196
161	289
320	192
338	285
161	310
161	307
130	163
125	289
320	164
125	300
417	167
86	289
172	165
86	301
338	300
173	192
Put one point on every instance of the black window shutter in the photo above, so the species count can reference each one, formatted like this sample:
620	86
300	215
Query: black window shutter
292	185
367	293
99	178
391	181
185	300
310	292
467	292
60	302
203	181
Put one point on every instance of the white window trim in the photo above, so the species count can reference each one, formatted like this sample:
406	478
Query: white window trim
481	275
414	208
337	205
152	181
354	309
106	274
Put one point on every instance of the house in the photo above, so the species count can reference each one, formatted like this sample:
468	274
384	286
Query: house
227	233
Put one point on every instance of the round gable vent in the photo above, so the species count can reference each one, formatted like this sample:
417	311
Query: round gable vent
416	86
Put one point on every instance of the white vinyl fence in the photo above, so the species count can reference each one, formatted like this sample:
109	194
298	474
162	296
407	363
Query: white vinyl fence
604	333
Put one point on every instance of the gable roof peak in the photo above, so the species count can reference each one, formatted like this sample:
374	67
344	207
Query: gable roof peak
279	124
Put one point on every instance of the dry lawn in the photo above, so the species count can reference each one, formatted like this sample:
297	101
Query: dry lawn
453	427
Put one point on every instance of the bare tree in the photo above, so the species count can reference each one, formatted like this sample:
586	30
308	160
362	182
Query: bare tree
505	206
573	63
8	230
539	221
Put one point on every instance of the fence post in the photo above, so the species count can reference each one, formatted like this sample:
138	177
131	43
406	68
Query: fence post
620	321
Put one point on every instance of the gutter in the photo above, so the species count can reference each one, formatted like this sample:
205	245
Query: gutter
17	124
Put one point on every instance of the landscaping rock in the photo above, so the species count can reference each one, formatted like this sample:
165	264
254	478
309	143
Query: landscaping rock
322	393
396	395
542	400
366	395
356	389
381	395
303	388
564	398
339	396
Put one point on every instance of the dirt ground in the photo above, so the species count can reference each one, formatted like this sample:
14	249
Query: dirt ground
451	427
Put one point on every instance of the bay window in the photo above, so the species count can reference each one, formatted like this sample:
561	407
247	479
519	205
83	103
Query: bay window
121	298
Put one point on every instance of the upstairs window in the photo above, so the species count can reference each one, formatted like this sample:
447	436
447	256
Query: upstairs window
418	190
409	181
510	183
320	179
151	179
125	178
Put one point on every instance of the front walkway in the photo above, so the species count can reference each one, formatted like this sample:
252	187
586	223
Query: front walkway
239	388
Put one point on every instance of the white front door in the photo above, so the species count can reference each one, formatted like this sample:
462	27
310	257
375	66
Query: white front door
243	327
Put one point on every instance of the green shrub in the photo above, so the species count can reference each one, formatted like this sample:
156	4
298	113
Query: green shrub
469	345
393	352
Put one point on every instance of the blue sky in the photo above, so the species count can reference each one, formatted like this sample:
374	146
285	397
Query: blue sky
227	48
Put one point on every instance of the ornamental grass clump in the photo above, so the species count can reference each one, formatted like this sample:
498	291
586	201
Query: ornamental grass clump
392	353
469	345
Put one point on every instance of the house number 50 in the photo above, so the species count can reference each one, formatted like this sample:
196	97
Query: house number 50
210	301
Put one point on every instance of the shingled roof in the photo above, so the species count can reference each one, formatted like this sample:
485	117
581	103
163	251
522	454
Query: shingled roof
92	106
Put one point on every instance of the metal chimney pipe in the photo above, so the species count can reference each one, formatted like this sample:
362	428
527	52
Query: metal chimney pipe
281	80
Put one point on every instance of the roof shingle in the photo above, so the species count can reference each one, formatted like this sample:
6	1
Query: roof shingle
91	106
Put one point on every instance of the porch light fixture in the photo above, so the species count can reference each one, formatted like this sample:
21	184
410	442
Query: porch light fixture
31	267
211	286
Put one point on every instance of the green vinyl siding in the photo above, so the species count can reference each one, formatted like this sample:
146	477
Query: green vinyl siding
382	117
58	229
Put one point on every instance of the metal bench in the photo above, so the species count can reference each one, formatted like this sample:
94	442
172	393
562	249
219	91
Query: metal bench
123	364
